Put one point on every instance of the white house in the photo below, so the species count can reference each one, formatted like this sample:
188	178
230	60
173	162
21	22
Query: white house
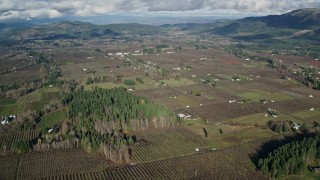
232	101
296	126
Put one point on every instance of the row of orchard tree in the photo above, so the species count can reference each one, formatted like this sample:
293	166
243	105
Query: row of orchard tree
291	158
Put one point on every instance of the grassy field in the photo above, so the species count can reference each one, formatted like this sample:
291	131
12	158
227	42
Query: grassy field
7	101
176	82
259	118
12	109
36	105
49	120
257	95
310	116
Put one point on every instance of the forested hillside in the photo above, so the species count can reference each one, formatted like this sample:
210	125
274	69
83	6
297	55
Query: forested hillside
292	158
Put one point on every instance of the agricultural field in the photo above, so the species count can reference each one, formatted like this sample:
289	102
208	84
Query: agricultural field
215	165
8	139
166	143
41	165
169	102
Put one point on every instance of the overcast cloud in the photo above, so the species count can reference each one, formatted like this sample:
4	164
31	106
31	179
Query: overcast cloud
37	9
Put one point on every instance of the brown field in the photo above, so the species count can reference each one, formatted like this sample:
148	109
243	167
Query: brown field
20	76
11	138
223	111
166	143
37	165
214	165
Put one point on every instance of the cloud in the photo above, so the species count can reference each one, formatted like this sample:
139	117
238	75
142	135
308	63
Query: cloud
33	9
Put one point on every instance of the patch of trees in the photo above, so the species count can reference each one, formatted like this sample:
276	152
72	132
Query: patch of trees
162	46
140	80
16	90
129	82
196	93
201	46
49	70
209	81
105	78
291	158
21	146
61	137
148	51
281	126
104	116
70	86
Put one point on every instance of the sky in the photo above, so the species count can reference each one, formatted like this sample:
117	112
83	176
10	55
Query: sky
14	10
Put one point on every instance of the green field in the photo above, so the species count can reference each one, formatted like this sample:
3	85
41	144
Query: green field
51	119
180	82
259	118
7	110
49	95
257	95
36	105
7	101
244	135
310	116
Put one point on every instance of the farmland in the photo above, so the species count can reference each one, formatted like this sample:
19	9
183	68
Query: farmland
169	103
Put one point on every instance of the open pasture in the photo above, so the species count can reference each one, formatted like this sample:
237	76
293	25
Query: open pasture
258	95
49	120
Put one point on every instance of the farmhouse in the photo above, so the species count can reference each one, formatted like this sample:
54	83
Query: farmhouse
296	126
232	101
7	119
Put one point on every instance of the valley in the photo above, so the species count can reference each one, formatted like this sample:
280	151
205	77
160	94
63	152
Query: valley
182	101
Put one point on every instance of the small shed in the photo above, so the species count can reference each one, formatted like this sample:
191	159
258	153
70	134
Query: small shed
180	115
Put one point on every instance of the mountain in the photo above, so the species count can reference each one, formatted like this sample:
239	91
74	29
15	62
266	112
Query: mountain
271	26
73	30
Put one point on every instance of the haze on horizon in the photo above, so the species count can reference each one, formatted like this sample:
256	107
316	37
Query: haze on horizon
31	10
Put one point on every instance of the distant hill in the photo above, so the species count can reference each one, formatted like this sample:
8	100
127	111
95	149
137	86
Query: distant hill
298	19
270	26
73	30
